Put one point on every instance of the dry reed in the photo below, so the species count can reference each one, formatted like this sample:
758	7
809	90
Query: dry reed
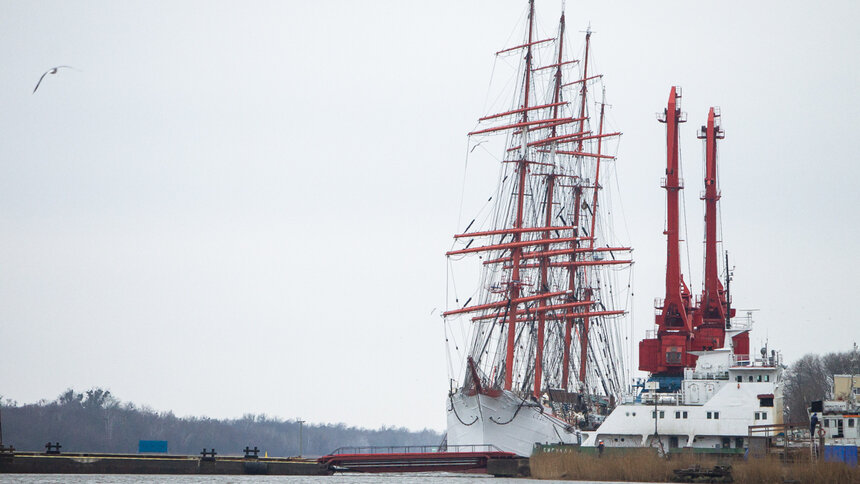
645	466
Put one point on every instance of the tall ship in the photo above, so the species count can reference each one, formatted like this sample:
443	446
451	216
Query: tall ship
543	348
706	388
540	348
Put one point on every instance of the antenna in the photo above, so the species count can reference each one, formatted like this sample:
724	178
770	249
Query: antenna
728	294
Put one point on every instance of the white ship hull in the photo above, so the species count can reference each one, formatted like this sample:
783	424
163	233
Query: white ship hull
504	421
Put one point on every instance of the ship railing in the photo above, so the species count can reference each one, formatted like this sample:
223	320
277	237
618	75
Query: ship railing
778	438
703	194
690	374
662	398
764	362
415	449
742	323
769	361
664	183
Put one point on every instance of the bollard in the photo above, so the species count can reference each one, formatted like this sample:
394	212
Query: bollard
208	456
7	453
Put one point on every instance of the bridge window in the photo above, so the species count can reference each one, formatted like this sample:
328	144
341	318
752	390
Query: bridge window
677	414
685	414
751	378
740	378
850	422
710	415
765	402
767	378
716	415
826	422
662	414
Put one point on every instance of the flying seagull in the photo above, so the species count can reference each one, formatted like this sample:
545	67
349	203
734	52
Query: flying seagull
52	70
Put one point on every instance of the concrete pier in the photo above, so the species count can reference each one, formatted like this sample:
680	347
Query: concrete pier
81	463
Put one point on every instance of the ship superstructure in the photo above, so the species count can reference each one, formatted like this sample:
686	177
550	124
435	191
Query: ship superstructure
838	420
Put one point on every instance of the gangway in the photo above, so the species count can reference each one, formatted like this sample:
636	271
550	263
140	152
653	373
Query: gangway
423	458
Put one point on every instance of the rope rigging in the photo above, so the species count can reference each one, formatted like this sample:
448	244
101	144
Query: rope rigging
518	274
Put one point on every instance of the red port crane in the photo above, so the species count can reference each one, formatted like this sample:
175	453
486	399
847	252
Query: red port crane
683	327
668	353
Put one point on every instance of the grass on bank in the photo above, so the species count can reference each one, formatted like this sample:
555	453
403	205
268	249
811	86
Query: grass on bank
647	467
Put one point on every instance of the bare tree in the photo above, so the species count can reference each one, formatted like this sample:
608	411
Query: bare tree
811	378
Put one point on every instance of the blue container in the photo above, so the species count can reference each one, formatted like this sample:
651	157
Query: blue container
160	446
841	453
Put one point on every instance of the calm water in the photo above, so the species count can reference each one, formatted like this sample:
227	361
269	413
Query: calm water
336	479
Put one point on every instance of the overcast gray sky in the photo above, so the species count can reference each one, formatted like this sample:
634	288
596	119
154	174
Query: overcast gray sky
244	206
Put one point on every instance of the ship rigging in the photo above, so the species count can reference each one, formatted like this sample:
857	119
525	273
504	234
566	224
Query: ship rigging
548	323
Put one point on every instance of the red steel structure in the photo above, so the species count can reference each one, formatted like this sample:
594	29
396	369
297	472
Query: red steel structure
711	315
668	352
714	314
683	327
713	305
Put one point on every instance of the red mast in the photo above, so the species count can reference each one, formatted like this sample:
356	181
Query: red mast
583	334
583	355
517	252
584	89
544	287
568	321
550	188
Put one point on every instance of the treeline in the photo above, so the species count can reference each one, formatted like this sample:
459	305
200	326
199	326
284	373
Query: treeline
96	421
811	378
